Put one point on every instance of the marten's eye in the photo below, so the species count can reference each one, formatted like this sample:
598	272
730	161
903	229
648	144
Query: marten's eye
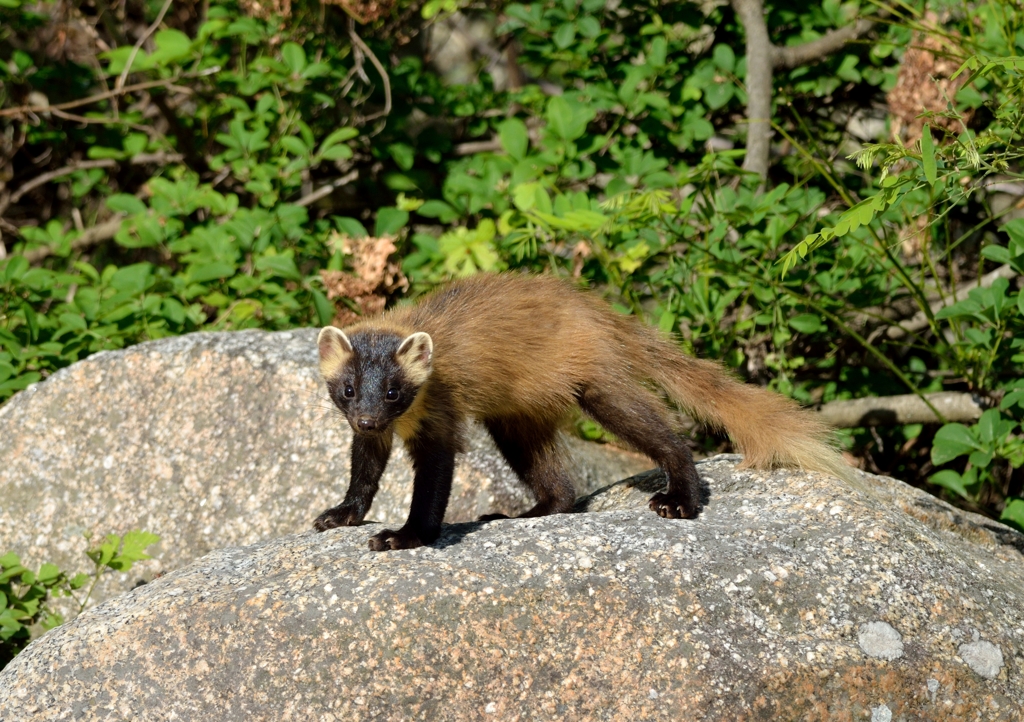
349	391
391	395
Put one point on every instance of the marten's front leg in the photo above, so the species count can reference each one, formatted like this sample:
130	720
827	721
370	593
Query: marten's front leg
433	460
370	454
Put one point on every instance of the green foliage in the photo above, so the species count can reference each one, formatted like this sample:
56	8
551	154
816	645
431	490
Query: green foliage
978	335
24	594
616	162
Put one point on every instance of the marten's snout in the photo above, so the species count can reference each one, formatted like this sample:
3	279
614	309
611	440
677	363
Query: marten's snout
367	423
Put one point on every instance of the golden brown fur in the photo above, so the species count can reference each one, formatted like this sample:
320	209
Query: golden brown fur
524	343
519	353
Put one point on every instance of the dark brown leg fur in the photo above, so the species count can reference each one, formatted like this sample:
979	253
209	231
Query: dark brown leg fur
640	419
369	458
433	462
531	449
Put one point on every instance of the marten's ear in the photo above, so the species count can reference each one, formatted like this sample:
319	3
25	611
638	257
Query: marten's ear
335	350
415	356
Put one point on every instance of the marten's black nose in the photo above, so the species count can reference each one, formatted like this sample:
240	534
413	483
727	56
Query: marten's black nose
366	423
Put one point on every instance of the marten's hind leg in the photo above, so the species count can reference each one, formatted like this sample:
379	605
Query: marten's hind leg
531	448
640	419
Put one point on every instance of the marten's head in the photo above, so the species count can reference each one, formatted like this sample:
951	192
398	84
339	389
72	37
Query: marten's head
373	375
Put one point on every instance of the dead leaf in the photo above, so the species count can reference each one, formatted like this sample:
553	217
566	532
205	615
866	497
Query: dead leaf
374	278
923	85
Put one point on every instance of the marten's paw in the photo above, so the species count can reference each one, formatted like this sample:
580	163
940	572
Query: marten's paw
492	517
401	539
672	506
341	515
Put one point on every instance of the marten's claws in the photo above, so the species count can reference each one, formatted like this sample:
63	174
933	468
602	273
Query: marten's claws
400	539
670	506
341	515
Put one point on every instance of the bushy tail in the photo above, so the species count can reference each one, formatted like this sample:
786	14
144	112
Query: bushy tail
770	430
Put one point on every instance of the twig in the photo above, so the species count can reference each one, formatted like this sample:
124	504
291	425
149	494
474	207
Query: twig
358	42
478	146
160	158
794	55
92	236
22	109
47	177
138	44
151	132
920	319
904	409
326	190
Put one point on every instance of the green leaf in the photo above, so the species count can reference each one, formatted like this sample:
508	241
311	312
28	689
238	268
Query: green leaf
403	155
135	545
1013	513
283	266
203	272
524	196
980	459
1014	397
125	203
993	429
172	46
514	137
667	322
567	119
807	323
724	57
565	35
949	479
294	145
351	227
999	254
338	136
294	57
439	210
951	441
928	155
390	221
337	152
102	554
15	269
48	574
324	308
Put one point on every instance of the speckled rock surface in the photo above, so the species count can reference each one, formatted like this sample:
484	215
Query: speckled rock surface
210	440
791	597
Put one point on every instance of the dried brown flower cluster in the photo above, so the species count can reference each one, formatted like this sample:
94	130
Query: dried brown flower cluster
924	85
374	277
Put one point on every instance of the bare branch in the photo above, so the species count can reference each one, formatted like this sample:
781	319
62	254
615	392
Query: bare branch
904	409
920	319
166	82
139	159
92	236
478	146
830	42
66	170
138	44
358	42
326	190
762	58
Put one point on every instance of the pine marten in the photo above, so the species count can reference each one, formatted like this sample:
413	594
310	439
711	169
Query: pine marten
518	352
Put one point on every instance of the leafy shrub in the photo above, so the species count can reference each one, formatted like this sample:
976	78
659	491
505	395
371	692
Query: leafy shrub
24	594
258	144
